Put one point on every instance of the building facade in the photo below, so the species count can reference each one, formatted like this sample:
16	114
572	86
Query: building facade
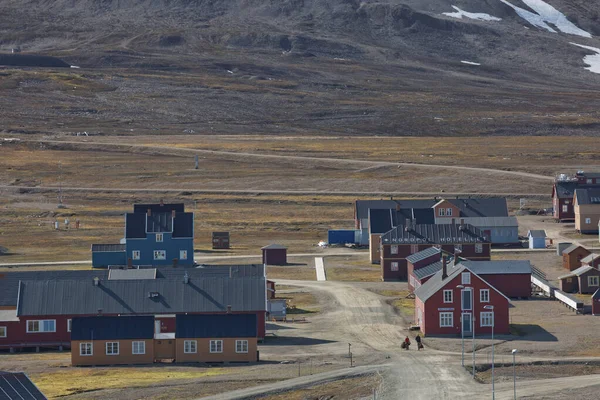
573	255
563	192
587	210
584	280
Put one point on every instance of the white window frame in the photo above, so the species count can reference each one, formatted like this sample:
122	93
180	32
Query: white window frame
394	266
446	320
593	281
478	248
589	181
138	347
136	254
216	346
159	238
3	331
160	254
484	295
69	325
112	346
241	346
486	319
414	248
190	346
41	325
394	249
183	254
565	208
87	346
588	220
465	278
448	212
451	297
441	212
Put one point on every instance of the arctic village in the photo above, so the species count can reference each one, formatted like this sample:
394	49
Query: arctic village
299	199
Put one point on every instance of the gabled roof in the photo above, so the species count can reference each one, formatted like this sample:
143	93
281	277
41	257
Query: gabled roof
588	196
159	296
273	247
383	220
590	258
498	267
539	233
124	274
434	234
99	248
380	220
572	248
109	328
135	226
429	270
578	272
423	254
565	190
18	386
216	326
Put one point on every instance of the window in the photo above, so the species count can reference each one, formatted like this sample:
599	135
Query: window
138	347
394	249
446	320
466	278
593	281
135	254
447	296
86	349
190	346
458	247
394	266
589	181
159	237
183	254
467	302
160	255
567	202
414	248
216	346
484	295
69	325
486	319
241	346
478	248
441	212
112	348
588	220
46	325
565	208
2	331
448	212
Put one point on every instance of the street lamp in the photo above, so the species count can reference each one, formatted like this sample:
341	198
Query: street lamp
462	327
514	351
492	309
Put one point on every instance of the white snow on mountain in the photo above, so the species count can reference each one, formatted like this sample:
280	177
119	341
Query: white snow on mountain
592	60
478	16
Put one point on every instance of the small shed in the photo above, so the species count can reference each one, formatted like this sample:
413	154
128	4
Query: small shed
220	240
562	246
596	303
583	280
274	254
277	309
537	239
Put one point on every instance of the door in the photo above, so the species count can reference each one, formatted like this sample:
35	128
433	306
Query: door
466	321
164	349
157	326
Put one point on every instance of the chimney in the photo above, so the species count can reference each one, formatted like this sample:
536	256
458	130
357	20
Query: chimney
456	256
173	214
444	267
96	281
99	311
453	221
162	203
407	225
228	309
149	212
186	278
129	263
397	206
462	221
175	260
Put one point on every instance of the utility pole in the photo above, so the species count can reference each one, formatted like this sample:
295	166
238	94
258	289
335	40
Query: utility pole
60	197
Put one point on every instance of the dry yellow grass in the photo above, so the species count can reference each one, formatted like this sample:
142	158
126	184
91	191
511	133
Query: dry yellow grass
351	388
300	302
352	274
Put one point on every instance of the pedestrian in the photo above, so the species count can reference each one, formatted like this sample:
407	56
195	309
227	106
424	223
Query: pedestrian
419	344
406	343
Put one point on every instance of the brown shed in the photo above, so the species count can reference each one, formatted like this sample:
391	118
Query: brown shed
582	280
220	240
274	254
572	256
596	303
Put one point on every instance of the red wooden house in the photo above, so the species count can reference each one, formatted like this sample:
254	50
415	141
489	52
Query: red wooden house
563	192
458	294
596	303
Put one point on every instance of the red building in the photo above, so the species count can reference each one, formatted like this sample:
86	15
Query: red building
274	254
563	192
596	303
573	256
458	294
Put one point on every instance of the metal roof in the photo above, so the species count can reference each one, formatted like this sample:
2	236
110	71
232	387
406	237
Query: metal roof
159	222
565	190
429	270
434	234
216	326
498	267
135	226
143	208
572	248
588	196
383	220
109	328
274	247
159	296
123	274
596	294
484	222
18	386
183	225
108	248
539	233
8	315
423	254
590	258
578	272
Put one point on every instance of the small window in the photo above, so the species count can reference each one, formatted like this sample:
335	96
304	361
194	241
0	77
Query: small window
183	254
565	208
446	320
447	296
112	348
588	220
567	202
478	248
138	347
86	349
486	319
160	255
394	266
159	237
47	325
448	212
593	281
216	346
442	212
589	181
467	299
466	278
414	248
33	326
69	325
241	346
394	249
569	280
484	295
190	346
136	254
2	331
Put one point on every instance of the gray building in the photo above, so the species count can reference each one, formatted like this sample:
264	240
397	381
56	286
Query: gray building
500	230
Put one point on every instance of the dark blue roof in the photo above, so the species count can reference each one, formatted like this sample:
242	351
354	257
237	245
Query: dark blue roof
109	328
216	326
159	222
17	386
135	226
183	225
157	208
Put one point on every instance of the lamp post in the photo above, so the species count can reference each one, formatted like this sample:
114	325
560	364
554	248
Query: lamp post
462	327
492	309
514	351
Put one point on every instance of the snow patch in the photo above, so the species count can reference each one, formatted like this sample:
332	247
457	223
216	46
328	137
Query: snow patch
546	14
75	66
592	60
478	16
470	62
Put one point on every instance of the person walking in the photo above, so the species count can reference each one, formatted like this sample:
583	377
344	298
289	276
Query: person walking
419	344
406	343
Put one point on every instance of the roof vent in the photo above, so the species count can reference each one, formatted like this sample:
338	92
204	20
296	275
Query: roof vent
186	278
96	281
152	295
228	309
